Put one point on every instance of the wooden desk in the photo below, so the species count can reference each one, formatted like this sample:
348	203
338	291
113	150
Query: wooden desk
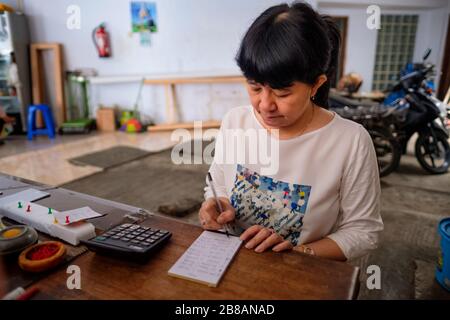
288	275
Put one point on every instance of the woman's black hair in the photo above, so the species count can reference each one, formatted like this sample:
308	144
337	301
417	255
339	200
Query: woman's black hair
288	43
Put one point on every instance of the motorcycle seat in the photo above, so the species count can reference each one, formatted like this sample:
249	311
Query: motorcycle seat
351	103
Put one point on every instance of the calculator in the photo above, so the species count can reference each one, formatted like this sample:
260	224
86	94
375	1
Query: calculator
129	241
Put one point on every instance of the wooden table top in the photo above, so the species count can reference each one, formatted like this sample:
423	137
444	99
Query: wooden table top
250	275
268	275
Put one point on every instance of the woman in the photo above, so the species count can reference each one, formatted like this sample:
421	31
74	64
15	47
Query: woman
324	199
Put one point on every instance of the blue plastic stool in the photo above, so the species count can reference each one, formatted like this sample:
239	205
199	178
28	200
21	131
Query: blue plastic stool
48	119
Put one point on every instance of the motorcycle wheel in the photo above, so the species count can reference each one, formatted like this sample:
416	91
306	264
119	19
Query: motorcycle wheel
433	156
387	149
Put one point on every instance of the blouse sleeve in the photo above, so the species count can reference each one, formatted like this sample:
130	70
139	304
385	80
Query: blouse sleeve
359	222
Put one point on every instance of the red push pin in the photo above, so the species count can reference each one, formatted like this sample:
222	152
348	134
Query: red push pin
29	208
67	220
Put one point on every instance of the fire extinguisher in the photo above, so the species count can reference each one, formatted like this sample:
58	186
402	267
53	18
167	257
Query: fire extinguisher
101	41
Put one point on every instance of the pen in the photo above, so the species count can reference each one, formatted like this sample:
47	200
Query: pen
28	294
219	205
14	294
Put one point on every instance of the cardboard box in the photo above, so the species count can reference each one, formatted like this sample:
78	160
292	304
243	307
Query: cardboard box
106	120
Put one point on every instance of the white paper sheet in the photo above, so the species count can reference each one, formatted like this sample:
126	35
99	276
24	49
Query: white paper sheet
207	258
25	195
71	216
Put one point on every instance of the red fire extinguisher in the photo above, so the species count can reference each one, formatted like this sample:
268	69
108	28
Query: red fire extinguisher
101	41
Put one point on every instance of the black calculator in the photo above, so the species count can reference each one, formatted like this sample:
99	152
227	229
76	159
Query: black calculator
129	241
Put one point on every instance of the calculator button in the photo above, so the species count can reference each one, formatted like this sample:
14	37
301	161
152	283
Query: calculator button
164	231
115	237
141	230
120	234
146	243
126	225
151	240
135	241
140	238
100	238
154	237
145	228
134	226
125	239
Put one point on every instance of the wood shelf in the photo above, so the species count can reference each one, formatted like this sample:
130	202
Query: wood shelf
183	125
169	81
181	80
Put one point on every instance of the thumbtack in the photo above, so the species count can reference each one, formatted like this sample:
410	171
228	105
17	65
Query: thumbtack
29	208
49	210
67	220
19	205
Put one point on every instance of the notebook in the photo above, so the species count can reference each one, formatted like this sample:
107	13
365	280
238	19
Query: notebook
206	260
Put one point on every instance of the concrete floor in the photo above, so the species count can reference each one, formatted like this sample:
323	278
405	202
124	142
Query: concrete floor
17	144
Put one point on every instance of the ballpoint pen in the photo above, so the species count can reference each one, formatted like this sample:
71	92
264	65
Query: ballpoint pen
218	204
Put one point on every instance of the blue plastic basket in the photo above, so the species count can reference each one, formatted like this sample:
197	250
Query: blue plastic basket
443	265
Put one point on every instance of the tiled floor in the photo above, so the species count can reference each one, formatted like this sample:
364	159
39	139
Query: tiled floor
46	161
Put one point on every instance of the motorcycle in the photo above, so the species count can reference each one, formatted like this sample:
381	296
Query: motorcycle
392	126
379	122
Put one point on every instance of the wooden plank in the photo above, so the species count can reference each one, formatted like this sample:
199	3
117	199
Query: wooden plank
183	125
59	85
447	96
38	80
174	112
224	79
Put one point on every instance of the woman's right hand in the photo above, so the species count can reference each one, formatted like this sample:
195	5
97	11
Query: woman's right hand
209	215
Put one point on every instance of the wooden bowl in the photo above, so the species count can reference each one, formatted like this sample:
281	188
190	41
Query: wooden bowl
42	256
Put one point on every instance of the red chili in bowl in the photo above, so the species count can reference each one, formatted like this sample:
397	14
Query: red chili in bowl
42	252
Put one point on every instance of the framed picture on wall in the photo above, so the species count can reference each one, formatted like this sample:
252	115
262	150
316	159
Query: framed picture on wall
143	16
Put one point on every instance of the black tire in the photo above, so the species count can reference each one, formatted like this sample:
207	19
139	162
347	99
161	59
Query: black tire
385	144
425	147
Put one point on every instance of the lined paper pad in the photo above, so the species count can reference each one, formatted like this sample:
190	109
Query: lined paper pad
206	260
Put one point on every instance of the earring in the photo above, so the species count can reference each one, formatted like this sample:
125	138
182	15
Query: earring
313	98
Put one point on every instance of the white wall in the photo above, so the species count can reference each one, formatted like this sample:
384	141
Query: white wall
360	44
193	36
361	41
203	36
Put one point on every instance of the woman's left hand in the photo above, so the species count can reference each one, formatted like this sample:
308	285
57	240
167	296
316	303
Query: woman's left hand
262	239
